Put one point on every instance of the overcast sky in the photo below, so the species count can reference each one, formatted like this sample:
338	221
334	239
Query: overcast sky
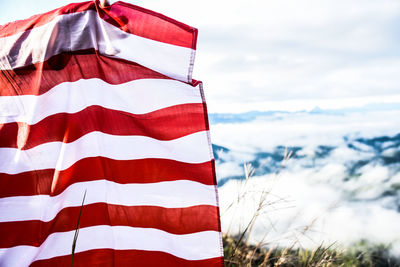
286	54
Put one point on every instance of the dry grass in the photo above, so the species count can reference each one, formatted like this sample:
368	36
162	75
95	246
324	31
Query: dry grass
360	256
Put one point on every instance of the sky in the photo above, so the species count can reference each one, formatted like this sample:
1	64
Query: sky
282	55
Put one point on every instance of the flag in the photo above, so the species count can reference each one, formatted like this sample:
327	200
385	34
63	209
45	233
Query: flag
100	116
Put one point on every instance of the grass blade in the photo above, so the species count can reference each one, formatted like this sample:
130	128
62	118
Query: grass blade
77	231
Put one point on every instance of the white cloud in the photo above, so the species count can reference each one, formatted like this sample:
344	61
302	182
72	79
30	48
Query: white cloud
295	203
302	129
323	192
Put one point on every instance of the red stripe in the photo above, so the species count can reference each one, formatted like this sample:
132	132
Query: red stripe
124	258
172	220
41	19
40	182
163	124
127	17
149	24
70	67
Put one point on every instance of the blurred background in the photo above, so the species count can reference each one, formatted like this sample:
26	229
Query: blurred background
317	79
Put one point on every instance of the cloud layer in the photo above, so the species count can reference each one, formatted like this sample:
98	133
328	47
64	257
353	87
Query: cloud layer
341	185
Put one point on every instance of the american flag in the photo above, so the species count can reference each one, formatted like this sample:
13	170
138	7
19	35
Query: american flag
100	99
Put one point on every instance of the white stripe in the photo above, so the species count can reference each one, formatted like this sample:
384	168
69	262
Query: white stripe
85	30
196	246
137	97
170	194
192	148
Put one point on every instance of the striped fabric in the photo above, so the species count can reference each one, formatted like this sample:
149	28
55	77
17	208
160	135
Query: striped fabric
101	100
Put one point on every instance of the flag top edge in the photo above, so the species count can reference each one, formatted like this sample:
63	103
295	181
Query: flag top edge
18	26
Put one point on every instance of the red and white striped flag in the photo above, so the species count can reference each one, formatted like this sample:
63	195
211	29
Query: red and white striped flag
101	100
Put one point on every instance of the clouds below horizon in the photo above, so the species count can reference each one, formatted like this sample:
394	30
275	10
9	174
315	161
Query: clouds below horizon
340	187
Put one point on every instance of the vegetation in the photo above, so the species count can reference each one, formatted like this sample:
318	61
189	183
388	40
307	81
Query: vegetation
362	255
